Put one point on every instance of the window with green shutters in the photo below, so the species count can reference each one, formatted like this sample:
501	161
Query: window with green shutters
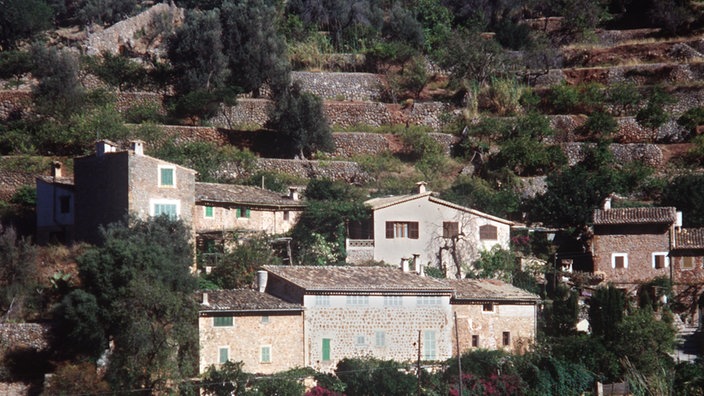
223	355
326	349
222	321
429	345
166	177
266	354
208	211
243	212
168	209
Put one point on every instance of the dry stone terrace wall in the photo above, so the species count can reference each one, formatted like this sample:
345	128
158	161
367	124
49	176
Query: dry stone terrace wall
23	335
340	86
347	171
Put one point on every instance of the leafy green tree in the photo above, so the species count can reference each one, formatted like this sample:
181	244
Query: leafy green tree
497	263
645	341
606	312
59	92
471	58
624	97
237	268
255	49
427	154
478	194
692	118
228	379
199	64
141	283
299	116
562	313
600	125
15	64
117	70
207	158
18	267
686	193
370	376
653	115
22	19
104	11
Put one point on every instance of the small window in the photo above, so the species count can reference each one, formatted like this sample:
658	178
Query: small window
322	301
266	354
360	340
475	341
222	321
393	301
357	300
429	345
168	207
397	230
380	339
428	300
326	349
208	212
265	318
166	176
65	203
223	355
287	215
489	307
507	338
450	229
660	260
243	213
488	232
688	263
619	260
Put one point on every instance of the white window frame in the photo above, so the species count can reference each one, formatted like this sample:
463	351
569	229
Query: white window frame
655	254
173	173
430	345
220	349
154	202
379	339
261	354
613	260
360	340
393	301
355	300
425	301
322	300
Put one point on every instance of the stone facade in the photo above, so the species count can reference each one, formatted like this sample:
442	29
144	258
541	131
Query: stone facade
340	86
348	171
488	326
282	332
260	219
113	184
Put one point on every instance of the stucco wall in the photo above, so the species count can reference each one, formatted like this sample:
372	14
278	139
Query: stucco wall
430	217
347	325
225	218
283	332
518	320
639	242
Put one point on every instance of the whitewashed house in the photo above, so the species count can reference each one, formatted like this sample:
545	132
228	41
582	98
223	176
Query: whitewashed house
423	229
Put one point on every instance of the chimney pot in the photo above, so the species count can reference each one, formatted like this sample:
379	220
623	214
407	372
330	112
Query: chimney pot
293	193
137	146
56	169
262	277
404	264
205	299
421	187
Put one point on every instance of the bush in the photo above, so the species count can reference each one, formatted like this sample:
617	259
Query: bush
653	115
599	125
502	97
692	118
624	97
144	112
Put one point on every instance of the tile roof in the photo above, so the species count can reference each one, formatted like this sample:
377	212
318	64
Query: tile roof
244	300
237	194
488	289
350	278
689	238
384	202
658	215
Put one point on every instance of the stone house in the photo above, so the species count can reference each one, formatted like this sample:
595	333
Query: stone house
327	313
427	230
55	207
491	314
632	245
222	209
110	185
354	311
262	331
687	270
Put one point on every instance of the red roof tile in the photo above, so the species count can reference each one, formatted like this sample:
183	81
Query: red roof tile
658	215
689	238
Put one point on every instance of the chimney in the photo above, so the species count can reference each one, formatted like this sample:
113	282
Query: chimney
607	203
56	169
262	277
104	146
293	193
205	299
404	264
421	187
137	146
678	221
416	263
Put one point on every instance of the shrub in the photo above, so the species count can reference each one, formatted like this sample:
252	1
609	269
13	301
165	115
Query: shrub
624	97
600	125
144	112
502	97
692	118
653	115
515	36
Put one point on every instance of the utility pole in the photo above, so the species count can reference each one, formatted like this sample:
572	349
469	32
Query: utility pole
419	363
459	356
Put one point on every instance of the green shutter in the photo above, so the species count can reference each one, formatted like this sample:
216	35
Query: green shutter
224	355
326	349
167	177
266	354
222	321
246	212
208	211
238	213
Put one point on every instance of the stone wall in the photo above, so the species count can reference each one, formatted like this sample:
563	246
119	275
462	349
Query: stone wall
340	86
14	102
23	335
346	171
648	154
643	74
488	327
11	181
